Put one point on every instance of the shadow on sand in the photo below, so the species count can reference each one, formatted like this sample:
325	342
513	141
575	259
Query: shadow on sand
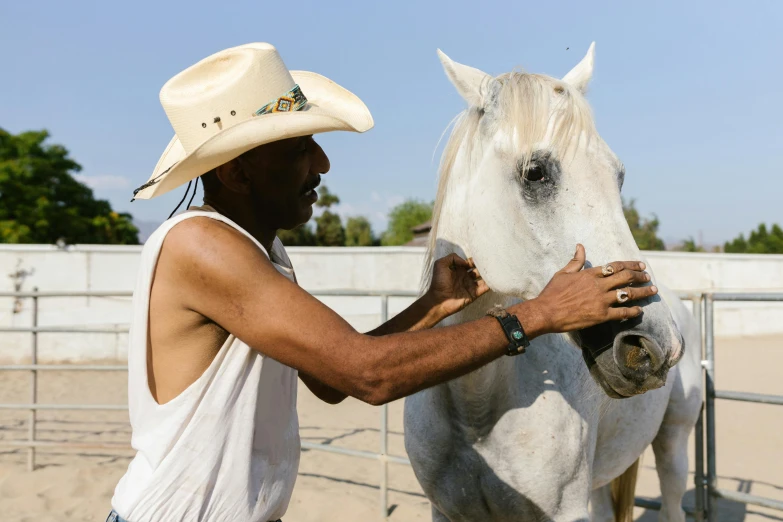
728	511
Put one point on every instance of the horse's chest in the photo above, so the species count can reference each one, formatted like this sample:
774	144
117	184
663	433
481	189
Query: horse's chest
468	487
626	428
507	470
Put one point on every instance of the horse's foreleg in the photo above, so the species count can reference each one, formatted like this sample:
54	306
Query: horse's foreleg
671	462
601	509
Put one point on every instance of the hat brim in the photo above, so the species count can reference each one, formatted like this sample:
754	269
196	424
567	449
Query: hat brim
330	108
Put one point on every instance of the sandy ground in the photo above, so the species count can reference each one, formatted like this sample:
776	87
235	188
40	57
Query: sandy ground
76	485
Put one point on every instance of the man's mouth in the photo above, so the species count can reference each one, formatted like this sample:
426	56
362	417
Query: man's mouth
309	189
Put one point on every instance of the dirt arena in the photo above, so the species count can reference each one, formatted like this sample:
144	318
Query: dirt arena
76	485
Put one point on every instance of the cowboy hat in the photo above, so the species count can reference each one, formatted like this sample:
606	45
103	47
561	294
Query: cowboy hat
238	99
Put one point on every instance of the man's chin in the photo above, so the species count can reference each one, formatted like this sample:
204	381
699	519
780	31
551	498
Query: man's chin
305	215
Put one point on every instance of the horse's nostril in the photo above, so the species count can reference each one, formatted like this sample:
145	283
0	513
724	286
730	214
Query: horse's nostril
637	356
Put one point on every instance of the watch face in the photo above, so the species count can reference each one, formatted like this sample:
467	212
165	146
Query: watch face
517	335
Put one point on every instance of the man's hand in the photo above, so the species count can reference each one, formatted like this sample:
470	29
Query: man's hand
576	298
455	284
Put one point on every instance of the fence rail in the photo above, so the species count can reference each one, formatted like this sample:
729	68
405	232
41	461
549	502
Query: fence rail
63	367
703	308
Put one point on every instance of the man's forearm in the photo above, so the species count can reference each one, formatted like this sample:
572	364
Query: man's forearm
398	365
420	315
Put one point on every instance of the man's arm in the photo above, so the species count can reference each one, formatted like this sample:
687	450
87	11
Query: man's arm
324	392
420	315
227	279
455	283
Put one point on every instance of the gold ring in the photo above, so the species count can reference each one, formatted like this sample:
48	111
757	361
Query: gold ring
622	296
607	270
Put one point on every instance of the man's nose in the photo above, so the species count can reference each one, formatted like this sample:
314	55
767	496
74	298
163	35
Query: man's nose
320	161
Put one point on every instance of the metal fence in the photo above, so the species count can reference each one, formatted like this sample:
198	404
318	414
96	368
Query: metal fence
705	480
711	394
33	406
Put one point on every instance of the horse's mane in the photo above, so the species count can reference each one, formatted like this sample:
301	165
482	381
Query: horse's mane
522	107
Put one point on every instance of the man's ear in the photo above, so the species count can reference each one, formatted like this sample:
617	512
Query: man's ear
233	177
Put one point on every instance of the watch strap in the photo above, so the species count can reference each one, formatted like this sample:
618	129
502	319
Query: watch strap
517	339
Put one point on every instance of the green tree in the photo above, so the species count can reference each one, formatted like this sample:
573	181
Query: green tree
302	235
325	198
329	229
760	241
358	232
41	202
689	245
403	218
645	231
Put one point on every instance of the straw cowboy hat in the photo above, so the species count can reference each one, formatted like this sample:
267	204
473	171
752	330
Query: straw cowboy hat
238	99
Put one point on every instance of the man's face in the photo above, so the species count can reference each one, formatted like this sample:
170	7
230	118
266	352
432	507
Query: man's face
283	176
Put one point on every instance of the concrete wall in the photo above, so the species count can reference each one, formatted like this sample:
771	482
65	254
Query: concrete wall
113	268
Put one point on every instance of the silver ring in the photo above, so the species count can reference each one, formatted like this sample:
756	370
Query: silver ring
622	296
607	270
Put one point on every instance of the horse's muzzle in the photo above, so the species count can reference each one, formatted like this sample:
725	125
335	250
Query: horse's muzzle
623	359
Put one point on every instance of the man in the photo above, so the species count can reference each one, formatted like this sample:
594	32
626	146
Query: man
221	330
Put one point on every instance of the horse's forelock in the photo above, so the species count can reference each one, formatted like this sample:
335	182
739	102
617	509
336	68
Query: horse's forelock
523	107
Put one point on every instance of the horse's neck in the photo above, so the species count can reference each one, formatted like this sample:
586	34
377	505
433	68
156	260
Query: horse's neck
477	386
477	397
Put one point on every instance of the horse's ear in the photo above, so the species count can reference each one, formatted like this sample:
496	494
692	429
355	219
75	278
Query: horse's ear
580	75
472	84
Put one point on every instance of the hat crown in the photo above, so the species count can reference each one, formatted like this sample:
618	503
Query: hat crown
222	90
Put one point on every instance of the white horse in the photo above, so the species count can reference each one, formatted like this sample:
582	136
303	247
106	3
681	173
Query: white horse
524	177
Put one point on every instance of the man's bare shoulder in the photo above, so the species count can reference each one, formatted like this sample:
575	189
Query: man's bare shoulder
202	246
215	270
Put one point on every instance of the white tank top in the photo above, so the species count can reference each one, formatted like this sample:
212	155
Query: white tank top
227	448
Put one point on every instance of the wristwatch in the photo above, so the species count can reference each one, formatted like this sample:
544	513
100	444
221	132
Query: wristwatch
517	339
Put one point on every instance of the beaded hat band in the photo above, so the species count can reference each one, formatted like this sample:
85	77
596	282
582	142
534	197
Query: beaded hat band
293	100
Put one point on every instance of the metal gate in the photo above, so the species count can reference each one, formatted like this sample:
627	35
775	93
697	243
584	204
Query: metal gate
705	477
713	491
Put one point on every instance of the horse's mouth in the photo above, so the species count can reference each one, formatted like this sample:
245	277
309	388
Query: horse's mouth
597	344
608	390
594	341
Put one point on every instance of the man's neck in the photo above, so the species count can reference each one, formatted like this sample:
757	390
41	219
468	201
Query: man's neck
244	217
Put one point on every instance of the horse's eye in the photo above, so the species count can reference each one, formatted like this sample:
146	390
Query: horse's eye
534	173
539	177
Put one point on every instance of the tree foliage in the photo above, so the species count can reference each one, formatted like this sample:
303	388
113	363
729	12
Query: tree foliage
329	229
760	241
325	198
689	245
644	230
41	202
302	235
358	232
403	218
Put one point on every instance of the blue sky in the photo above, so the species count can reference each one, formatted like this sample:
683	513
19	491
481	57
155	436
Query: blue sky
686	93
